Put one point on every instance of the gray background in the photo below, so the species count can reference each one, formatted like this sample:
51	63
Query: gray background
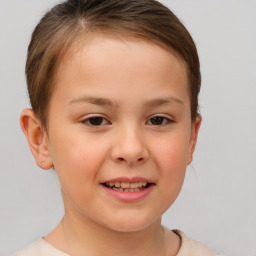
217	203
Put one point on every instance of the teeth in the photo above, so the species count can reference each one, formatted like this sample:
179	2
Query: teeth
127	185
127	189
134	185
117	184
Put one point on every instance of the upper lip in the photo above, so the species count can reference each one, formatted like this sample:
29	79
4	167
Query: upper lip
129	180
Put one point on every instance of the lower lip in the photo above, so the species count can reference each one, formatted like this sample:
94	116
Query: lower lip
129	196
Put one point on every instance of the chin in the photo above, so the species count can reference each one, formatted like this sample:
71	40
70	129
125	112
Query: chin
131	224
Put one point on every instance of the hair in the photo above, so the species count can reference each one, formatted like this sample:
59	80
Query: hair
66	22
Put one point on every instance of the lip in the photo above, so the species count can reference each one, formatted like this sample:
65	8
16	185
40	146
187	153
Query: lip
129	196
130	180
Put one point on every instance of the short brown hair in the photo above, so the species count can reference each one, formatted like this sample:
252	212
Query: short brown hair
64	23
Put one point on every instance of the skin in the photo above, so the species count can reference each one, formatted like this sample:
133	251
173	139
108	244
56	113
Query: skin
127	83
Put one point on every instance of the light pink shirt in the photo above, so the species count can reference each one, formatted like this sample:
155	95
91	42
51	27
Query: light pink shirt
189	247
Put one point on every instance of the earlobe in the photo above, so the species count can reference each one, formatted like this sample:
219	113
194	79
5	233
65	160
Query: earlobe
193	138
37	138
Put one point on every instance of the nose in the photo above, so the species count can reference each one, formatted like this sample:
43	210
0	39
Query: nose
129	147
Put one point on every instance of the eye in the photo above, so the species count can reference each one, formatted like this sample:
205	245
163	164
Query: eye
159	120
96	121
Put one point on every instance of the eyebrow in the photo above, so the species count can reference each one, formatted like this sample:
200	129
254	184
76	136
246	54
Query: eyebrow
94	100
106	102
163	101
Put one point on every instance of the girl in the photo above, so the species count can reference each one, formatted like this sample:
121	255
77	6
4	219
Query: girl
113	86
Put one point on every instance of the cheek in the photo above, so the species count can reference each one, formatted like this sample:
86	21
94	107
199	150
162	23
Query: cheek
171	152
171	160
77	162
172	167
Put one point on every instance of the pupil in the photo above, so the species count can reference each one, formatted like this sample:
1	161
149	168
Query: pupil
96	120
158	120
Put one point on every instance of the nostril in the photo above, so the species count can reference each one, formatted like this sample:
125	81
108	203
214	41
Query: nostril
121	159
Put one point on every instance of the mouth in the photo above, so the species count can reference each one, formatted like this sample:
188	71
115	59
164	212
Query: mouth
127	186
130	190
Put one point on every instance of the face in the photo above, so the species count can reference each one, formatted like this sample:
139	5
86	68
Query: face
120	134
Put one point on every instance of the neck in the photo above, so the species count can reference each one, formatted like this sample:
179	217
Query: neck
89	238
77	235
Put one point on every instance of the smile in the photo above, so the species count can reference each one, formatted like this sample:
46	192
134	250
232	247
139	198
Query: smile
127	186
128	189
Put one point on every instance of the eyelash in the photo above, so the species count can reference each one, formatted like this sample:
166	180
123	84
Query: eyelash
165	120
97	121
89	121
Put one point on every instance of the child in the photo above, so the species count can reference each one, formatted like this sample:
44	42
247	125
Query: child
114	88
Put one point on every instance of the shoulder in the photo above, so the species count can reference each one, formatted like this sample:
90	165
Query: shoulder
39	248
190	247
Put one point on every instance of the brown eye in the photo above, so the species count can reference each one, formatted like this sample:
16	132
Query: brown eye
159	120
95	121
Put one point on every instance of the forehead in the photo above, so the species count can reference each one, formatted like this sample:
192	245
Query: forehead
98	47
100	61
86	42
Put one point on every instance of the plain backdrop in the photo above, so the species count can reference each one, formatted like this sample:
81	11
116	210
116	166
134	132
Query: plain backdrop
217	204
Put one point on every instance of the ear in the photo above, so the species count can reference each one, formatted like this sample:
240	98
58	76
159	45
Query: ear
37	138
193	138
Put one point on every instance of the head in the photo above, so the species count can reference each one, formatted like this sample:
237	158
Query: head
113	87
75	20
